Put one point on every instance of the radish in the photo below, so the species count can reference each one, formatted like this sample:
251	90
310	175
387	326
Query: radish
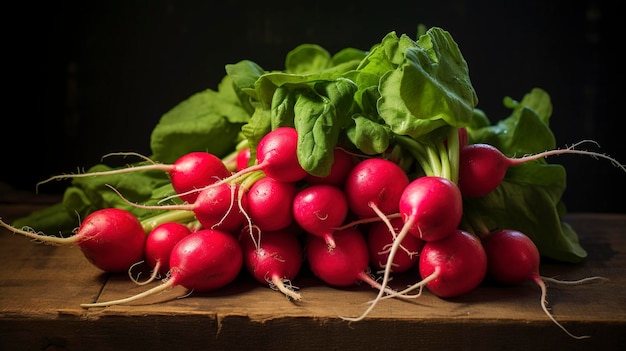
453	266
276	156
112	239
380	239
202	261
274	258
482	167
243	159
431	209
346	264
270	203
341	167
221	207
374	186
318	209
513	258
158	247
191	171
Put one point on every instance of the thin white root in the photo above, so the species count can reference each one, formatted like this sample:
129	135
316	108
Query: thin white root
153	276
544	306
573	282
285	286
155	290
130	153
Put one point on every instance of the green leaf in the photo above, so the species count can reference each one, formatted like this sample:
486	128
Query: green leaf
320	114
368	136
207	121
430	88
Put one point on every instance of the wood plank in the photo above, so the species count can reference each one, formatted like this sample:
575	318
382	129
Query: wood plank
42	286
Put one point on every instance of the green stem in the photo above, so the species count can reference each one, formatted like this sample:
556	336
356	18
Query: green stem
453	154
417	151
181	216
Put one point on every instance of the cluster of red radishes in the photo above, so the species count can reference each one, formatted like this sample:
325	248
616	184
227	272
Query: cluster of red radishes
272	217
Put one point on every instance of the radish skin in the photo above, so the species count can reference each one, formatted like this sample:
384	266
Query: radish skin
276	157
431	208
270	203
191	171
380	239
111	239
513	258
346	264
202	261
482	167
374	186
319	209
274	258
158	247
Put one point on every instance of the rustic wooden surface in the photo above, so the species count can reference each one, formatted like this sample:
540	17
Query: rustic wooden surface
41	287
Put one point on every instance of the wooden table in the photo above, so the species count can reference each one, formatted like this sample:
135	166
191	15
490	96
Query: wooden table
42	286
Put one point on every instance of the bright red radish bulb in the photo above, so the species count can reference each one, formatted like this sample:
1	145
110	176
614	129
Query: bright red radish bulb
431	207
453	266
221	207
273	257
482	167
277	155
320	208
346	264
375	182
243	159
379	241
202	261
196	170
191	171
111	239
160	242
270	203
513	258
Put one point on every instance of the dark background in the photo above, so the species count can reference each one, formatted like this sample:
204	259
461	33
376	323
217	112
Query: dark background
89	78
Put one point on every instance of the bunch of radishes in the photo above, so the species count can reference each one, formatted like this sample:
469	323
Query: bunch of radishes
366	217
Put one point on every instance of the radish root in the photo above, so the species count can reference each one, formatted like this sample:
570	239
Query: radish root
285	286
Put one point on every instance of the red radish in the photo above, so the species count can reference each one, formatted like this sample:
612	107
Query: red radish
346	264
220	207
243	159
318	209
274	258
111	239
374	186
431	207
276	157
202	261
482	167
449	267
270	203
380	238
513	258
342	164
453	266
158	247
191	171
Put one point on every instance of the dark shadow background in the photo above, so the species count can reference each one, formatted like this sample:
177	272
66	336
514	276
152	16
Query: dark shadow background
92	78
